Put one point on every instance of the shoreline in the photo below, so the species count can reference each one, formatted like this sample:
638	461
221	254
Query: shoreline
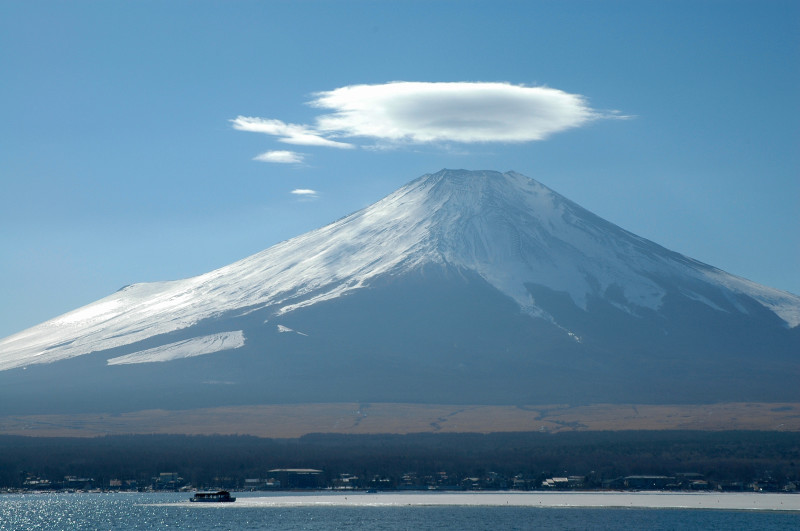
642	500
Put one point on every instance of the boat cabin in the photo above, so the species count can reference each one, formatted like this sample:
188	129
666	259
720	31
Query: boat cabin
215	496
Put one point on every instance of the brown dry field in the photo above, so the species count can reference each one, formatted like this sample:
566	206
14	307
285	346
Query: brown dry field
294	420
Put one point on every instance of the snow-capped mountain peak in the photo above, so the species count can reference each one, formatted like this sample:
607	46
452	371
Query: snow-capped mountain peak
512	231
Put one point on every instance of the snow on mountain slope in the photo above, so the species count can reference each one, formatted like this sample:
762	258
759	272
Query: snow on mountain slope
189	348
513	231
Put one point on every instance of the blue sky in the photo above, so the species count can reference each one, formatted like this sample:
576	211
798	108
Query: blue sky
121	162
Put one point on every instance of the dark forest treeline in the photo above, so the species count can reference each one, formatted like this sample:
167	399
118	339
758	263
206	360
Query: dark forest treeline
202	460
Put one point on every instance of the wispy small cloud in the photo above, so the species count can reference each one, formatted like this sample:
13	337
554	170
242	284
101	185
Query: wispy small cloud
281	157
301	135
398	113
305	193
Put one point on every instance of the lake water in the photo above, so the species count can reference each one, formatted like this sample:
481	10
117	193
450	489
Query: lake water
399	511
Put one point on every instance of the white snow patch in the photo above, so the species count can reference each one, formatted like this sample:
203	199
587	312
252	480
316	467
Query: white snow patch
196	346
92	312
784	304
699	298
283	329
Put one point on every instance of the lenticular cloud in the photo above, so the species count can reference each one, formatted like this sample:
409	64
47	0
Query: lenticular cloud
450	112
417	112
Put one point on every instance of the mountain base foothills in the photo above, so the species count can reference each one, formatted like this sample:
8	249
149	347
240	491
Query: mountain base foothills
296	420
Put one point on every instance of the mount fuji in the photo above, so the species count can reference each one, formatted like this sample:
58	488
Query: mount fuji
462	287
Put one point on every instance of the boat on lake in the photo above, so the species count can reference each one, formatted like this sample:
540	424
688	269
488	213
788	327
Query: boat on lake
218	496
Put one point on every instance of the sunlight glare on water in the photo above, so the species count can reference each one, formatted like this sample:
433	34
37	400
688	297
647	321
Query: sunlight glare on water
171	511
